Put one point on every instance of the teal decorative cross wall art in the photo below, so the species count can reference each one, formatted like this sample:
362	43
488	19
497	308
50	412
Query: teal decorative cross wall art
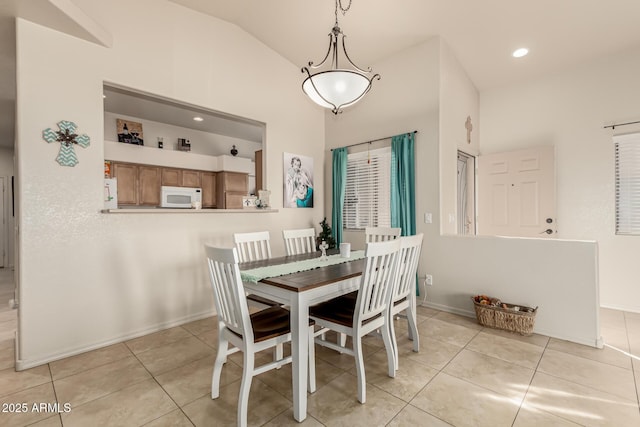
66	136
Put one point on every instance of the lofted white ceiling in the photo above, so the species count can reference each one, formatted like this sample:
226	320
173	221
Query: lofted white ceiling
481	33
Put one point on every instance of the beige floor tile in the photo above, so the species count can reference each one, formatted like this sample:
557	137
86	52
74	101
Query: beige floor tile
616	338
12	381
7	358
612	318
132	406
281	379
337	404
8	316
210	338
529	416
98	382
158	339
26	415
412	416
601	376
605	355
580	404
468	322
201	326
446	332
461	403
92	359
171	356
535	339
411	377
173	419
341	360
424	311
286	420
193	380
264	405
433	353
513	351
494	374
53	421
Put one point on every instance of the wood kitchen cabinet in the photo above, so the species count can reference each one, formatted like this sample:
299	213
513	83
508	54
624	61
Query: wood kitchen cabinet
175	177
138	185
209	189
231	187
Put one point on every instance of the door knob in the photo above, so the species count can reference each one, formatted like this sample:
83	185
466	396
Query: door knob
549	220
548	231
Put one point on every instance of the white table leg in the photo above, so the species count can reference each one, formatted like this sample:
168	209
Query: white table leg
300	354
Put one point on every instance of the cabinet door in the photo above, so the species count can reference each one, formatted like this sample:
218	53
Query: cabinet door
237	182
127	176
150	178
258	164
190	178
208	189
171	177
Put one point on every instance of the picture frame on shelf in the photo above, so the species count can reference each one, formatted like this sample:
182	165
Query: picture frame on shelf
129	132
249	202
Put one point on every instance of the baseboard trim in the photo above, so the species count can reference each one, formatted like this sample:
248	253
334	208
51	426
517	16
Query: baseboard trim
22	364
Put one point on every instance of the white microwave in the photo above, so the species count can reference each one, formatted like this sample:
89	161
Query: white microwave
180	197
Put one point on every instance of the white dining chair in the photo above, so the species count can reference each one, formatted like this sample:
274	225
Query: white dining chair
300	241
249	333
381	234
403	297
356	317
252	246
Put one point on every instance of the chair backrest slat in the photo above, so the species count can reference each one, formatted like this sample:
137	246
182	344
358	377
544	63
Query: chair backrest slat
299	241
252	246
381	234
409	257
378	279
228	291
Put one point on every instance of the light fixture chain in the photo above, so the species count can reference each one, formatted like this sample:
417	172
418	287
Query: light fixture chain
342	9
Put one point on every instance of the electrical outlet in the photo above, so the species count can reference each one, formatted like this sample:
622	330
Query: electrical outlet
428	218
428	280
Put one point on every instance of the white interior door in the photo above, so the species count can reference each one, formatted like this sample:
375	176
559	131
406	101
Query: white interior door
516	193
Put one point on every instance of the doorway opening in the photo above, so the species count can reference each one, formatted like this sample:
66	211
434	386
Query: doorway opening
466	202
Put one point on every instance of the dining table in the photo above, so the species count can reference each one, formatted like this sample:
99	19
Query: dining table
321	279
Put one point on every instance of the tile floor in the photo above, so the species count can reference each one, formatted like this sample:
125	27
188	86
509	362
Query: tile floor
464	375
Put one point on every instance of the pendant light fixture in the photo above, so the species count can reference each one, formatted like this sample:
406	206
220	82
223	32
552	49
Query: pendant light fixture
337	88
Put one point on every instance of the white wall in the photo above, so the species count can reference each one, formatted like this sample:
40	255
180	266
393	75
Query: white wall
88	279
568	110
532	272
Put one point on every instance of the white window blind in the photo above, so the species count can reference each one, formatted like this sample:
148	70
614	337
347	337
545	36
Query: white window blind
627	183
367	200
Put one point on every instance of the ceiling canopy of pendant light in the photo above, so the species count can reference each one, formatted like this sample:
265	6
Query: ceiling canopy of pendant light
337	88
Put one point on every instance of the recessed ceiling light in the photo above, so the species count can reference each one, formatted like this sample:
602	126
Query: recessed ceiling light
198	119
519	53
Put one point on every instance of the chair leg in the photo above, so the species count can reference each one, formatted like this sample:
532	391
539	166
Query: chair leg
413	329
312	361
362	381
245	386
221	357
388	345
394	342
278	354
342	340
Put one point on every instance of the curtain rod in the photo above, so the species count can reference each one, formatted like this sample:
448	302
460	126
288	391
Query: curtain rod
374	140
622	124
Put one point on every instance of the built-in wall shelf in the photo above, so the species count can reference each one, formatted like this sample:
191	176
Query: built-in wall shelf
186	211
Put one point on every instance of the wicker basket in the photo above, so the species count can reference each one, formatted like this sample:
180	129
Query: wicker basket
508	319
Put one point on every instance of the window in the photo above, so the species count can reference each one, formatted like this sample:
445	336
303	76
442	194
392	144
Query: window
627	184
367	200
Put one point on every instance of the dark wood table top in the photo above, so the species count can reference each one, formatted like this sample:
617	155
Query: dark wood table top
305	280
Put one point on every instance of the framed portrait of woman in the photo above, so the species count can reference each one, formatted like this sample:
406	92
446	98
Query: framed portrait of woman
298	181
